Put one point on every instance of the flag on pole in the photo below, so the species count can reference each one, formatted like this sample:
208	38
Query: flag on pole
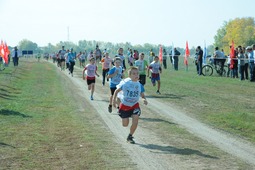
187	53
173	53
160	55
2	49
4	52
205	54
232	54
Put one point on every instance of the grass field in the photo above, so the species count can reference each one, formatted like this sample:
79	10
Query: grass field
222	102
40	127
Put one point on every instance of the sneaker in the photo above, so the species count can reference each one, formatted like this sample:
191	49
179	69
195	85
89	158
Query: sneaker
110	108
130	139
91	98
158	92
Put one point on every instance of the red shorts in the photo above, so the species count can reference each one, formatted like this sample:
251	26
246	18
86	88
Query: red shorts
127	111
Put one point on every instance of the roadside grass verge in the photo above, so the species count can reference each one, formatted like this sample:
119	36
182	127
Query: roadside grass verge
41	127
225	103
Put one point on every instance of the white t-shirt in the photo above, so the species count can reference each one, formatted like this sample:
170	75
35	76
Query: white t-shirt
131	91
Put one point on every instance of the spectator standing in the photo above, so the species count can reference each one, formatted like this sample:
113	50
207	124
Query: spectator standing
251	62
199	60
164	59
246	64
241	62
15	56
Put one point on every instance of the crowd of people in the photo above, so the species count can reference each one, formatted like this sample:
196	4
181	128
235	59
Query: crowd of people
240	63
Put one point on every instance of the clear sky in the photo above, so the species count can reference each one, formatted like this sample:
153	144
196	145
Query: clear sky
135	21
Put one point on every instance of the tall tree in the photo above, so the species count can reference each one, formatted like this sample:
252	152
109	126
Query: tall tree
240	30
28	45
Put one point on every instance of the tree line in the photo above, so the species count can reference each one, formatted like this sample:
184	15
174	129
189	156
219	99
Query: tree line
240	30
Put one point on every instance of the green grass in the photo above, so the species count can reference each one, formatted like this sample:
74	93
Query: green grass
41	128
222	102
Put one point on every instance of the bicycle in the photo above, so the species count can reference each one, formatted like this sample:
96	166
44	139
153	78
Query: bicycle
207	69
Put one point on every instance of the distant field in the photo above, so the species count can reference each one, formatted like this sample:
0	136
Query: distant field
222	102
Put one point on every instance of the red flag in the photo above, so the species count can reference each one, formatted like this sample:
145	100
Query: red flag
1	49
187	53
160	56
4	52
232	55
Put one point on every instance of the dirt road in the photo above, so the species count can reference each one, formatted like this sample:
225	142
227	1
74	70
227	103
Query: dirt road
198	146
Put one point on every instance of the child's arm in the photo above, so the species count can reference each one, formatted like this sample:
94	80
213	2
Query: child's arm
115	96
148	70
83	74
144	99
113	74
97	74
160	70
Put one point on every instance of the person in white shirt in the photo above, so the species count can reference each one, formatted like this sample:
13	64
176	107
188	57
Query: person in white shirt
129	107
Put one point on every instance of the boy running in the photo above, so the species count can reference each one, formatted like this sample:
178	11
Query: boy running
155	70
62	57
91	70
115	75
129	107
142	67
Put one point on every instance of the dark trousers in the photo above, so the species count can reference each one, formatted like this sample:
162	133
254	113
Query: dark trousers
15	61
228	72
199	67
164	64
71	66
246	65
176	61
252	71
104	74
241	71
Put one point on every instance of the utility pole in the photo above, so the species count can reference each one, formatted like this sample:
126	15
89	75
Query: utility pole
67	33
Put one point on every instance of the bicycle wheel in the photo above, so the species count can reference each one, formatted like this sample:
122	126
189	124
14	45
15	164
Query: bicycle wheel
207	70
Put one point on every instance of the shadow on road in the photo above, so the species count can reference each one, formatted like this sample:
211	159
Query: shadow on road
167	95
7	145
174	150
13	113
156	120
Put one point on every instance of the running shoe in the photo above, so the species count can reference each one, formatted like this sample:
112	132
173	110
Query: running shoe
130	139
91	98
110	109
158	92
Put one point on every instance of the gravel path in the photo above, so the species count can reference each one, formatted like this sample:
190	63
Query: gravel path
143	153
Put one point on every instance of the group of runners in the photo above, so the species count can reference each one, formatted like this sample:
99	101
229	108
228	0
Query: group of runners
124	91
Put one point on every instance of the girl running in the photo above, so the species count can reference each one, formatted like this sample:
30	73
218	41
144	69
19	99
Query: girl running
91	71
106	64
